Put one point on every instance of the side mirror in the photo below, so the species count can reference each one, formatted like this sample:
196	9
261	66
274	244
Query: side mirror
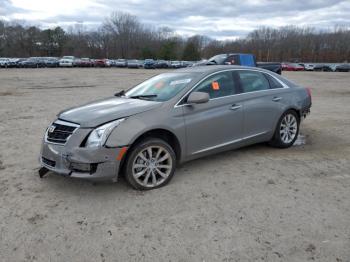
198	98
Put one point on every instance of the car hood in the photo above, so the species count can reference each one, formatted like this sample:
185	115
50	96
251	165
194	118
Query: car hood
102	111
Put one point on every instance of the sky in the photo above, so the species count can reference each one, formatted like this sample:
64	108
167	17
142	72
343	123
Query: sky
220	19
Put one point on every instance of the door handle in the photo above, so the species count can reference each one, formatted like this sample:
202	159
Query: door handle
276	98
235	107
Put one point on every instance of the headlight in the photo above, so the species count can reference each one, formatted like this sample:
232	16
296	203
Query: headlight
98	136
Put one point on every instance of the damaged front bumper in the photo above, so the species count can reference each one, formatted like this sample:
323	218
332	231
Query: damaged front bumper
73	160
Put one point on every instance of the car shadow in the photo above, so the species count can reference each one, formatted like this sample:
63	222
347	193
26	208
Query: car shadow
226	156
80	186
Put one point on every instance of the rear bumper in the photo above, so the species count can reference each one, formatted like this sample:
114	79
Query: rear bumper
98	164
305	112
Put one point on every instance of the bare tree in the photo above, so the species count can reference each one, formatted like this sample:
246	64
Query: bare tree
122	35
124	29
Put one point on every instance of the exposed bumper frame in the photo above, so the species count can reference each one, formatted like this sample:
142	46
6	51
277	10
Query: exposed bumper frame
107	161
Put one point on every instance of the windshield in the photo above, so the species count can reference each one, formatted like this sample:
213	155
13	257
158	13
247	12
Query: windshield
161	87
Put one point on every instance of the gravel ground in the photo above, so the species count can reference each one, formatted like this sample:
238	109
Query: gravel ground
252	204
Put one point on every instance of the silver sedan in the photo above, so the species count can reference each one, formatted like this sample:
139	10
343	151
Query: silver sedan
172	118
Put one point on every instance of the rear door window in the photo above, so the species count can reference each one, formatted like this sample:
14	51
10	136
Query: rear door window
252	81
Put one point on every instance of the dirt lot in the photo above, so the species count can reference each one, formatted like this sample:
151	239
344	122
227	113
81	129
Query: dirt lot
252	204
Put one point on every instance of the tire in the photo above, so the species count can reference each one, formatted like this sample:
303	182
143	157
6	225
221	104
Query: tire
144	172
289	122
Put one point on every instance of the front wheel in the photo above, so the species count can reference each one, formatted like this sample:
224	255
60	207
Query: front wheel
150	164
287	130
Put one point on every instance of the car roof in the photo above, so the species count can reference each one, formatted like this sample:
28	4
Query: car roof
208	69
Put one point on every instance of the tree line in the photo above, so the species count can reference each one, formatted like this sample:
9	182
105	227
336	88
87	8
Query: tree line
123	36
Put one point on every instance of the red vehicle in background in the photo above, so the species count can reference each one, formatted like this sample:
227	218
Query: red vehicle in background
102	63
292	67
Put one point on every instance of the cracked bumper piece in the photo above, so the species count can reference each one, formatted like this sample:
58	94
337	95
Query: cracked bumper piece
94	164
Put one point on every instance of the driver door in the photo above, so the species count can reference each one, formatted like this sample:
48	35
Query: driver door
217	123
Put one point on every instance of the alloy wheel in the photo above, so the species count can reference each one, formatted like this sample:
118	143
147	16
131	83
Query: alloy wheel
288	128
152	166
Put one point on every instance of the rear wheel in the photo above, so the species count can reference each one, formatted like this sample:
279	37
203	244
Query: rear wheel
287	130
150	164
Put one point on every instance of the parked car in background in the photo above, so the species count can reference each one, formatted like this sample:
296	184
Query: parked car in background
121	63
175	64
102	63
13	62
21	63
112	62
162	64
241	59
173	118
85	62
18	61
41	62
333	66
292	67
32	62
187	63
67	61
308	67
4	62
342	68
51	62
134	63
323	68
149	64
286	66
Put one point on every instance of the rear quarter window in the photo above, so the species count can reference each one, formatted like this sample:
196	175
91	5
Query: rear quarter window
274	84
286	81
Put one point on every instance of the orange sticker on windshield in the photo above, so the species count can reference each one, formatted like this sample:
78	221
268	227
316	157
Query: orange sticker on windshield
159	85
215	85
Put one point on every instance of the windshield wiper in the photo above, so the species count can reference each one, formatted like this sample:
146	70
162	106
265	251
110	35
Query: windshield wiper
120	93
143	96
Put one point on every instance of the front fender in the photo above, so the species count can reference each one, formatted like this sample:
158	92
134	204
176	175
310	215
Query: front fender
133	127
125	133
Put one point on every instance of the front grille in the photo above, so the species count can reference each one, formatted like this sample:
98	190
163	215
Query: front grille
61	132
48	162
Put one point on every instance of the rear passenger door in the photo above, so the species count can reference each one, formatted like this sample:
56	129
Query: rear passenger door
263	102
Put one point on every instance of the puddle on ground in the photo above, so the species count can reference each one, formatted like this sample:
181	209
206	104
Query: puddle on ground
301	140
